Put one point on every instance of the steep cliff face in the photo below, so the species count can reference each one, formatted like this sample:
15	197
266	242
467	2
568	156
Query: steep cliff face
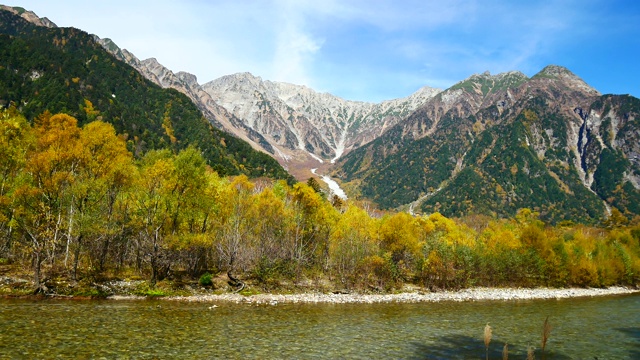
295	118
187	84
610	147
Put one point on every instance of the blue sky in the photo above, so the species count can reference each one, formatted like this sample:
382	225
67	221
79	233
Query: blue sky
369	50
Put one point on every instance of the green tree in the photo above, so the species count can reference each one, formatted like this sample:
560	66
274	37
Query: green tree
353	239
400	239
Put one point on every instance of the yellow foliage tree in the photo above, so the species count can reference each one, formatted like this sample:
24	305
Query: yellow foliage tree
353	239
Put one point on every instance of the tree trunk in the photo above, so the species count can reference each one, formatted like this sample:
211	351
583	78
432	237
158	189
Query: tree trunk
76	259
154	258
235	282
104	250
154	265
37	275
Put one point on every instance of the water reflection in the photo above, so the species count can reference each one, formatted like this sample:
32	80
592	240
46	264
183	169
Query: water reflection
468	347
632	334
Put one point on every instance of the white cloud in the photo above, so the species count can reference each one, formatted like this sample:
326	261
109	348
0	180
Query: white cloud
295	46
293	55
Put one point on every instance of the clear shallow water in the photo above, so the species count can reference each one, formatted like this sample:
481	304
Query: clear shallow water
606	328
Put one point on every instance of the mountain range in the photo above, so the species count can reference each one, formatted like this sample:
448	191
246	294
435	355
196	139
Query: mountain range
296	125
490	144
495	144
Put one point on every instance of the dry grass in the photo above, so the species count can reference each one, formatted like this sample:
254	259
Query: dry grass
546	331
530	353
487	339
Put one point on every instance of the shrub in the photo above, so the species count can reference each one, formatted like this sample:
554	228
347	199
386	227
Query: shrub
205	279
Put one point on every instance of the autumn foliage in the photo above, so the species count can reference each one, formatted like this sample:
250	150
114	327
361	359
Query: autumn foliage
75	203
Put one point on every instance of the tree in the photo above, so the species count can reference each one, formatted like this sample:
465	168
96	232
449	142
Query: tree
271	217
616	219
313	218
400	236
353	239
105	171
151	215
313	183
235	226
43	201
190	204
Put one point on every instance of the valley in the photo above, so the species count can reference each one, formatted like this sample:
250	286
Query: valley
117	170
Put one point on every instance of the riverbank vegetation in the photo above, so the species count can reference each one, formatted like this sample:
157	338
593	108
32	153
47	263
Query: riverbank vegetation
76	205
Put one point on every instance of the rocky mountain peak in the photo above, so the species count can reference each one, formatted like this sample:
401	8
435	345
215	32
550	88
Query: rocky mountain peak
30	16
301	123
487	82
109	45
556	71
567	152
238	82
151	62
422	94
188	78
567	78
242	77
511	75
468	96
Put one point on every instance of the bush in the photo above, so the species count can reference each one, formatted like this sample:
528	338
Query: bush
205	279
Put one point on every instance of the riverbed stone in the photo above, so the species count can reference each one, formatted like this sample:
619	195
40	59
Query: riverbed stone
473	294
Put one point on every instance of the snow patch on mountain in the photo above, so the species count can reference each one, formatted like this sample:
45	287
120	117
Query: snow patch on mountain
334	187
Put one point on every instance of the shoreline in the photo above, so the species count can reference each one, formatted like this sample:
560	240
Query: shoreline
472	294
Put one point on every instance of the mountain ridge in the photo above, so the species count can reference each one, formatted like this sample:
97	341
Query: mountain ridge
292	135
303	119
550	142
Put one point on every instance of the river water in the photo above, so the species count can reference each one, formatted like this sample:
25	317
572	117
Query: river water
584	328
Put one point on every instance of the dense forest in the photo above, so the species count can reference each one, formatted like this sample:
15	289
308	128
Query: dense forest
76	204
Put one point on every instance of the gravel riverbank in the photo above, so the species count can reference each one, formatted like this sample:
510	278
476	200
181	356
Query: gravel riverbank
475	294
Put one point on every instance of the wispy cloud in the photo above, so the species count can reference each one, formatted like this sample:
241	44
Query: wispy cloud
295	45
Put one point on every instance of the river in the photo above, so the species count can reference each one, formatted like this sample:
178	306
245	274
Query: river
583	328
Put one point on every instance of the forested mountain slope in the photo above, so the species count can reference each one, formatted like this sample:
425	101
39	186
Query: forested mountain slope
64	70
494	144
